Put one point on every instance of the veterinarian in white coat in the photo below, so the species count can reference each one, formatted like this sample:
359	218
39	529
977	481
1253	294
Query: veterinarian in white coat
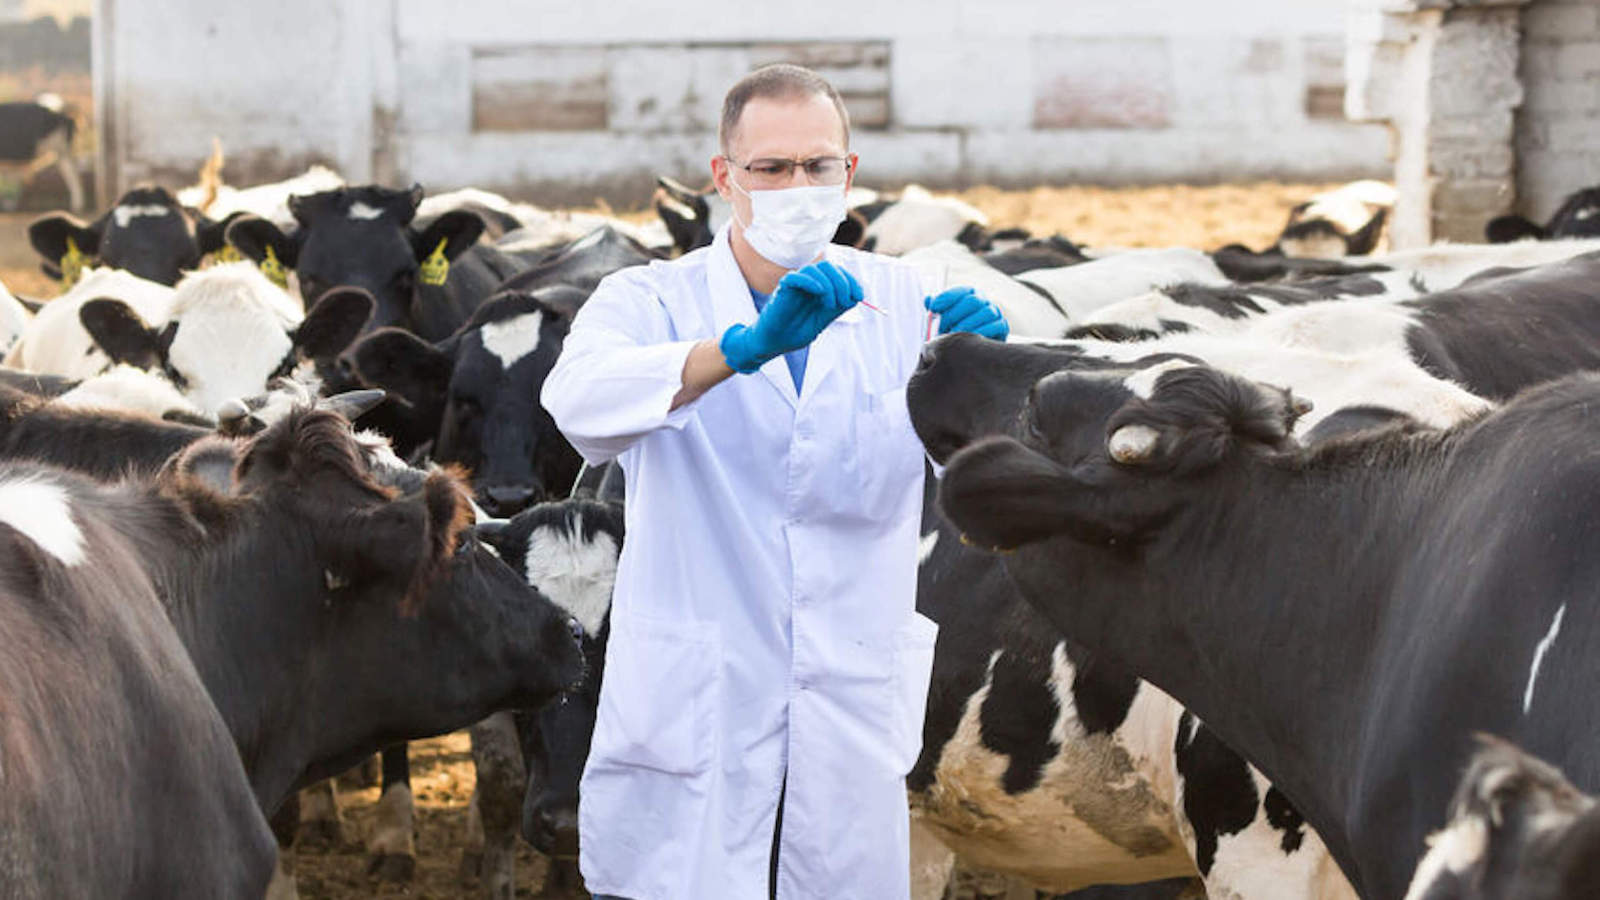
764	642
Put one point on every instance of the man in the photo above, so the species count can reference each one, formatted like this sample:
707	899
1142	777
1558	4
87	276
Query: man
766	672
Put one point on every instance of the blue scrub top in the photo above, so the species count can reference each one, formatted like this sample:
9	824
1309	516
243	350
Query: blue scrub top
795	358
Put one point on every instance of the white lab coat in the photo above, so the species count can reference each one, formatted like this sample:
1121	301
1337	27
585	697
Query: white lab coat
763	619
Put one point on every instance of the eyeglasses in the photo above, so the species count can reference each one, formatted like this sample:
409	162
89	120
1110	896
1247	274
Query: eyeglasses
777	172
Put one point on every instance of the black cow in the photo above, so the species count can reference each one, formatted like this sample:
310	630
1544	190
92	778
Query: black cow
147	233
38	136
1345	616
479	391
118	776
1578	216
427	281
1518	830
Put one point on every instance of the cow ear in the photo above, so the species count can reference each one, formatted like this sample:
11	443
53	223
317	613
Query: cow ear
1185	418
1365	241
119	331
455	231
562	299
1002	495
211	235
404	365
333	323
50	235
852	231
1506	229
208	462
405	542
254	236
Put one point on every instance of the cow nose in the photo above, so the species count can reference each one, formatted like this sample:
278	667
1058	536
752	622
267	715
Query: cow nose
505	501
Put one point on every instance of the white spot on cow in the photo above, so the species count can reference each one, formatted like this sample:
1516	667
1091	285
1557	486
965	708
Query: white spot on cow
42	512
1538	656
1587	213
926	545
512	339
1454	849
1143	383
363	212
130	211
577	575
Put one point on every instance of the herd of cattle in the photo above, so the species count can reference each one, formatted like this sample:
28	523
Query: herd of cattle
1282	533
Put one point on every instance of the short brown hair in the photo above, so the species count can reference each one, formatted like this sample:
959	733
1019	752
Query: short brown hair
779	81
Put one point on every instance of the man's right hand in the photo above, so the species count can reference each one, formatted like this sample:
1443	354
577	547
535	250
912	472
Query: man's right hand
805	302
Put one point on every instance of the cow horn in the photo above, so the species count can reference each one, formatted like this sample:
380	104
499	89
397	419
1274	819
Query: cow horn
1300	405
352	404
232	411
1132	444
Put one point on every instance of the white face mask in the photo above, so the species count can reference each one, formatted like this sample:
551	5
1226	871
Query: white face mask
791	226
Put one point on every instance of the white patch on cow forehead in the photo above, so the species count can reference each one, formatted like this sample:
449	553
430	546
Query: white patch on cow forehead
1454	850
1538	656
1143	382
359	210
127	213
42	512
512	339
926	545
576	575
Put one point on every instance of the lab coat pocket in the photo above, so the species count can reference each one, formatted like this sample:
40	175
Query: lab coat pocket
913	649
892	455
657	702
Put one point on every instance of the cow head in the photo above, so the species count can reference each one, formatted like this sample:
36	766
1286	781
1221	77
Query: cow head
147	233
227	334
1518	829
1578	217
568	550
484	383
354	584
1105	457
362	237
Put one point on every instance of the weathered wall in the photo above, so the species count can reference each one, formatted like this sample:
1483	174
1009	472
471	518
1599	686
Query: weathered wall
1494	104
1558	126
572	100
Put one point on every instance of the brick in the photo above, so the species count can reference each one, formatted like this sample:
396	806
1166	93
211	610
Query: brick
1574	133
1558	96
1495	124
1472	160
1550	20
1577	59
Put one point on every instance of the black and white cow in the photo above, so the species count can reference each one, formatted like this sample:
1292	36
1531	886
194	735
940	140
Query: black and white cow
479	391
1517	829
427	281
54	342
1345	616
148	233
38	135
119	775
1346	221
227	333
14	319
1577	217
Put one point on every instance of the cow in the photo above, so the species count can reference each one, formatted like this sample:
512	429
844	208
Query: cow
14	318
147	233
480	388
1346	221
1036	253
535	224
1517	829
1345	616
427	281
1577	217
120	777
55	342
38	135
918	218
227	333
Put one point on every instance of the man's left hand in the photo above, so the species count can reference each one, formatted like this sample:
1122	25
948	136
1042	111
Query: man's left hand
964	309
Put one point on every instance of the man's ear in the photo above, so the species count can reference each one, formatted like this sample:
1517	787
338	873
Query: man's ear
50	236
119	331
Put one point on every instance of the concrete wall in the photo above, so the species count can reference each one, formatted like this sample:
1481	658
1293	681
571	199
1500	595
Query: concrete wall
567	101
1494	104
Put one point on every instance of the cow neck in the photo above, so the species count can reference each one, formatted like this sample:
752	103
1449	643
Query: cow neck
1260	624
233	596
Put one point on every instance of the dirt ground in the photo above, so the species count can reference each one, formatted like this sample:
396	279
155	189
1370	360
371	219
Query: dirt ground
442	772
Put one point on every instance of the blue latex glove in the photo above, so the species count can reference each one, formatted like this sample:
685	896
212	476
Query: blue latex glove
964	309
805	302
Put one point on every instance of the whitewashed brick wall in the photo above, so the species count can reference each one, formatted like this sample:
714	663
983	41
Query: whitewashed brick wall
567	101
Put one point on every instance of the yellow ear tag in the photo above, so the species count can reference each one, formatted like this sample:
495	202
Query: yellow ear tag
435	269
72	263
228	254
274	270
